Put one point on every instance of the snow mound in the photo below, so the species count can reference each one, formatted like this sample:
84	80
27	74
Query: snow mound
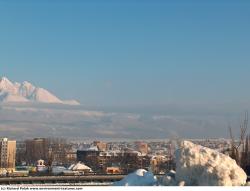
195	166
168	179
201	166
140	177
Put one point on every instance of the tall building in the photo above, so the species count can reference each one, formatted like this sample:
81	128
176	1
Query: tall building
20	153
36	149
7	154
51	150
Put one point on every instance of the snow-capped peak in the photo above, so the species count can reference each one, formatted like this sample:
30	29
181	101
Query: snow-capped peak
4	79
5	82
27	92
25	83
7	85
26	89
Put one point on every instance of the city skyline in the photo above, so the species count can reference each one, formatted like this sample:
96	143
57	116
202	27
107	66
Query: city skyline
124	93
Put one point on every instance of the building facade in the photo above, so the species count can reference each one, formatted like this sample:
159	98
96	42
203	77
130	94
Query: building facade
7	154
36	149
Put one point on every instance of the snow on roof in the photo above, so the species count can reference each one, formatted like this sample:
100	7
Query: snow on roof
93	148
71	167
79	166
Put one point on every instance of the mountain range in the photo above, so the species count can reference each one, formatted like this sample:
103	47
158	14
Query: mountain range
25	92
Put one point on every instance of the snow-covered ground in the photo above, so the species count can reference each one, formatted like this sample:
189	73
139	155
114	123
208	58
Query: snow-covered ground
140	177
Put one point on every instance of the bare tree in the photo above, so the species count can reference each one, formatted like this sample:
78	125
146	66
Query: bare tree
245	153
236	145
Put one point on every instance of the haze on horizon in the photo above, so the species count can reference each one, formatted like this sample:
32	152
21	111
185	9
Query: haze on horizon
134	56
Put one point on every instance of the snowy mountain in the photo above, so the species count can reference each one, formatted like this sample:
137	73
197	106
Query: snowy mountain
27	92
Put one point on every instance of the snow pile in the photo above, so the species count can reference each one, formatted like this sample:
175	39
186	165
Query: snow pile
168	179
201	166
26	92
140	177
195	166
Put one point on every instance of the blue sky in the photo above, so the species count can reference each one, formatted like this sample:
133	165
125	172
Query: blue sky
129	52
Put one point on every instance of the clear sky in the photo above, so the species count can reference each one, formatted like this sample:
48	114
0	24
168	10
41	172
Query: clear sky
131	51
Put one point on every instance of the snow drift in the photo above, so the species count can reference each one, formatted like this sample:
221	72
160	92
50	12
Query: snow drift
140	177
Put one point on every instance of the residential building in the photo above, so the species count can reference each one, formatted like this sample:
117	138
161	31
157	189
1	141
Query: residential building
7	154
